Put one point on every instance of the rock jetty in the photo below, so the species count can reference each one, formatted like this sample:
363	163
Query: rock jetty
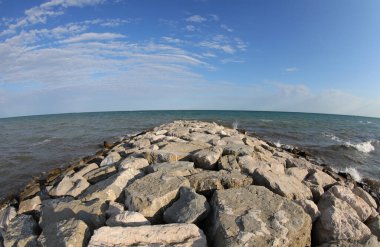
191	183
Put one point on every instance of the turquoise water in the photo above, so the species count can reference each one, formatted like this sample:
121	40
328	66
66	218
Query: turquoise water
31	145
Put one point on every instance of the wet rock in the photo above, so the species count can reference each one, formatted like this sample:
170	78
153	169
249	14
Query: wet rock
64	233
134	163
229	163
178	168
207	182
111	158
255	216
189	208
207	158
111	188
87	169
21	231
284	185
70	186
152	194
127	218
157	235
100	174
33	204
91	212
321	178
310	208
374	225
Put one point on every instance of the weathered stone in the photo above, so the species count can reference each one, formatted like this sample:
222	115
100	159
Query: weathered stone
142	143
374	225
70	186
111	158
299	173
91	212
365	196
21	231
362	209
177	235
249	164
159	156
298	162
127	218
251	141
33	204
101	173
207	158
254	216
189	208
6	215
310	208
284	185
229	163
87	169
114	208
232	140
207	182
201	137
237	150
321	178
316	190
179	168
370	241
111	188
186	149
65	233
30	190
178	132
134	163
152	194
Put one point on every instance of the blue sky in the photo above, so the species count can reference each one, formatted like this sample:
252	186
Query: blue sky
105	55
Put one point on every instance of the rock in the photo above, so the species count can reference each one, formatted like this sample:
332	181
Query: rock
232	140
207	158
298	162
178	132
237	150
111	188
152	194
178	168
316	190
189	208
157	235
134	163
362	209
21	231
321	178
64	233
254	216
70	186
367	242
87	169
299	173
91	212
201	137
142	143
310	208
229	163
365	196
284	185
29	205
30	190
207	182
159	156
127	218
111	158
374	225
114	208
249	164
6	215
185	149
100	174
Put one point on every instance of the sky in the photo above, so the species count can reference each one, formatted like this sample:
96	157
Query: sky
59	56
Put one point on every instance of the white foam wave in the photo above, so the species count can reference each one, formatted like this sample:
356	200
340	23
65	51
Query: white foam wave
278	144
41	142
235	125
364	147
354	173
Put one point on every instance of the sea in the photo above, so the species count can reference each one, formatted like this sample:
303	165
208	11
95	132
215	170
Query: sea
33	145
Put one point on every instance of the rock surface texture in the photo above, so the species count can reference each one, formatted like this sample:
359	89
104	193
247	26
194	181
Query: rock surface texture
191	183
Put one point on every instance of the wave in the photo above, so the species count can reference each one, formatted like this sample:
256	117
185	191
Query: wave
41	142
277	144
364	147
235	125
354	173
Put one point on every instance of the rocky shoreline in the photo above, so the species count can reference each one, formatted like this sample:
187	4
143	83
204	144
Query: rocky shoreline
191	183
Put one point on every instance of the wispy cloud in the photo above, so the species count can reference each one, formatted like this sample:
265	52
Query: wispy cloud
196	19
93	37
225	27
291	69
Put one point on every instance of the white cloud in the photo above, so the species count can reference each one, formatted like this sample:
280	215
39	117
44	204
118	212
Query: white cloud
292	89
190	28
291	69
214	17
93	37
196	19
172	40
225	27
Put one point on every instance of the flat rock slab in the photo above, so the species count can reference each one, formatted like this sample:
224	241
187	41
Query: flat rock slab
206	182
127	218
152	194
33	204
70	186
111	158
189	208
179	235
64	233
207	158
99	174
255	216
134	163
179	168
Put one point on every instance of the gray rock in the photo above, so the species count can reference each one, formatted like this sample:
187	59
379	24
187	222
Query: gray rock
189	208
298	162
310	208
87	169
374	225
111	188
207	182
365	196
33	204
111	158
321	178
6	215
238	150
229	163
152	194
297	172
127	218
91	212
70	186
114	208
316	190
207	158
100	174
284	185
255	216
178	168
21	231
179	235
134	163
142	143
65	233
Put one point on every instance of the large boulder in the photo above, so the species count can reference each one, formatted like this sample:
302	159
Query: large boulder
365	196
127	218
100	174
310	208
111	158
87	169
111	188
33	204
134	163
374	225
229	163
255	216
21	231
282	184
152	194
189	208
179	235
238	150
320	178
207	158
179	168
70	186
71	232
6	215
207	182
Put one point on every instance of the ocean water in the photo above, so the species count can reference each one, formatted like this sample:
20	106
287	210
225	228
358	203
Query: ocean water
35	144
